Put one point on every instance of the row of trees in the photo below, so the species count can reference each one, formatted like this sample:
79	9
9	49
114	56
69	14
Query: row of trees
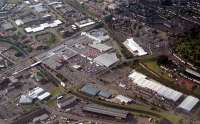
188	46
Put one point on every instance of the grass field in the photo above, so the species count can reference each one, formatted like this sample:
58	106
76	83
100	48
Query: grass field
57	91
151	63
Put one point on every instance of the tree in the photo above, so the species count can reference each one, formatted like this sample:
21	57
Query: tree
162	60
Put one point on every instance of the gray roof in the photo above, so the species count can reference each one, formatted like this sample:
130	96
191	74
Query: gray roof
107	59
7	26
101	47
53	62
105	110
192	72
90	89
189	103
41	118
25	99
105	94
67	101
40	8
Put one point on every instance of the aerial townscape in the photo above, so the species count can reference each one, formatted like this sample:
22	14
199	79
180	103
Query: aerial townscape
99	61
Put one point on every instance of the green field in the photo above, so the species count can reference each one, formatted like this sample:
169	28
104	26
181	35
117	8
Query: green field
151	64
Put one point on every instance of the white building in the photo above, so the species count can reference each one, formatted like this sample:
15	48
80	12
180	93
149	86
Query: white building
43	96
38	93
107	59
84	23
98	35
35	92
43	26
189	103
143	81
123	99
134	48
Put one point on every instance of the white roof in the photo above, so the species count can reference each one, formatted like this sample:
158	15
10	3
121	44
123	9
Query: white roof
43	96
134	47
123	99
97	37
58	22
35	92
28	29
43	26
25	99
27	2
19	22
84	23
106	59
37	29
192	72
188	103
142	81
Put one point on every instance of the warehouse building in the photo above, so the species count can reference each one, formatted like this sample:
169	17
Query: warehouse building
134	48
43	26
143	81
66	102
84	23
98	35
188	103
7	26
90	89
38	93
101	47
106	111
123	99
107	59
24	99
105	94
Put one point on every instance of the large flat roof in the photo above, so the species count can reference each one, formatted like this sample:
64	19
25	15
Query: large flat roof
90	89
192	72
142	81
106	59
135	48
189	103
101	47
105	110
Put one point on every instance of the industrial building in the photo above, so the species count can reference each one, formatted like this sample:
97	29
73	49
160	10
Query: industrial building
143	81
134	48
90	89
123	99
84	23
39	8
101	47
105	94
107	59
24	99
43	26
38	93
7	26
98	35
66	102
188	103
106	111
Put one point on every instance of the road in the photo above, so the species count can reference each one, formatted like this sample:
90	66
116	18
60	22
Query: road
27	61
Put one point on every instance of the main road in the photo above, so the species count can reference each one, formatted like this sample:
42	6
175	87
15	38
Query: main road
28	61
